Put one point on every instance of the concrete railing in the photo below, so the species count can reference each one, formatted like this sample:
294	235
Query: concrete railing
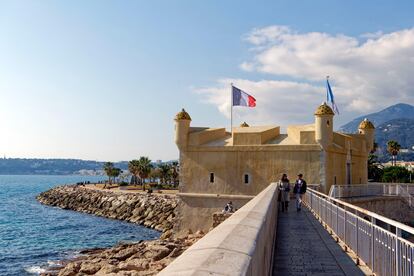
403	190
241	245
363	190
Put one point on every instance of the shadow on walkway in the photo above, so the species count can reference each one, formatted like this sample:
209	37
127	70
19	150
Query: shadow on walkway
304	247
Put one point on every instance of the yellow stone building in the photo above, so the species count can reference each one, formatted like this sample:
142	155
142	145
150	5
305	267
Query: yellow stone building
216	167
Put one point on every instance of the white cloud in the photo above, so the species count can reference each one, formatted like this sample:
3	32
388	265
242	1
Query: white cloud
366	75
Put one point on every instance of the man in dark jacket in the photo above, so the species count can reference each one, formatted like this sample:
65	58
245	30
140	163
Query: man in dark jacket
299	190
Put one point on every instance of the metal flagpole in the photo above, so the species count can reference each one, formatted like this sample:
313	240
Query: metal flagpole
231	109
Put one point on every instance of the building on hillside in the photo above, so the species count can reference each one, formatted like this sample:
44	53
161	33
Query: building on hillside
409	165
216	167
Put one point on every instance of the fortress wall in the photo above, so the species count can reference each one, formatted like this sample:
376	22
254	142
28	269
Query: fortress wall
195	212
264	165
336	168
229	166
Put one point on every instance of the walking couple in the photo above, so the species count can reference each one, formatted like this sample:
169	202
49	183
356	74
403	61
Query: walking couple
284	188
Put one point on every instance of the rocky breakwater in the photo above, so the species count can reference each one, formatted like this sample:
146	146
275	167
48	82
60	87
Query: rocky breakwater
142	258
150	210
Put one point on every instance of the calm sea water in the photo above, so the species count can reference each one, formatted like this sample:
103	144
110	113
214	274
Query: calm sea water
33	235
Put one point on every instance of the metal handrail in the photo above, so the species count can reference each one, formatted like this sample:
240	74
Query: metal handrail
368	213
385	252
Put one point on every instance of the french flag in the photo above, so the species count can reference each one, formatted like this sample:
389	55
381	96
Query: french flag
241	98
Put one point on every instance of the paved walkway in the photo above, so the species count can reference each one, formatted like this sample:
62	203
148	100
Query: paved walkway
304	247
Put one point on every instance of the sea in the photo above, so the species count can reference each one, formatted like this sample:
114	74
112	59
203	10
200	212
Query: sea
34	236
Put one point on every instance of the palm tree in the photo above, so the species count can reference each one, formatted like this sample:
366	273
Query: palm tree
115	172
133	167
165	171
108	167
393	148
145	167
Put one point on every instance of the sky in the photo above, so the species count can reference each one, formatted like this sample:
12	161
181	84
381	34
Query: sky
103	80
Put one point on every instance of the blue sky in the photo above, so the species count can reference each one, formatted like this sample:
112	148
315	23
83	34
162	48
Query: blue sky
103	79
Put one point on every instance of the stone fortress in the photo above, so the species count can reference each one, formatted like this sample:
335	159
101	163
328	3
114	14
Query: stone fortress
216	166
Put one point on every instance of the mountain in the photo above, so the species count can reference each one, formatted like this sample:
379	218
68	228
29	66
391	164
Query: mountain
400	130
397	111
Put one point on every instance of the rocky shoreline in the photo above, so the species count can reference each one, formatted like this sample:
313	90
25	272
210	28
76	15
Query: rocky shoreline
150	210
142	258
135	259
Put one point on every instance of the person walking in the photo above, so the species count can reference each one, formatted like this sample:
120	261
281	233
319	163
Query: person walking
299	190
284	189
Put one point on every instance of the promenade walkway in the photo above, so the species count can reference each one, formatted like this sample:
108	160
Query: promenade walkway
304	247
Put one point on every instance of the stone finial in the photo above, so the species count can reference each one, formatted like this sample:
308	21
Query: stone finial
182	115
324	109
244	124
366	124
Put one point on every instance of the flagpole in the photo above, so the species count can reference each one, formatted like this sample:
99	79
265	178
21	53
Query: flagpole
231	110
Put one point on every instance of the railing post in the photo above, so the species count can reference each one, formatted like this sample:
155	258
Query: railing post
345	224
311	200
357	232
397	252
372	251
337	217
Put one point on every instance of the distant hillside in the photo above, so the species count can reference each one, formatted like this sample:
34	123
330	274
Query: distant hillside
53	166
400	130
23	166
397	111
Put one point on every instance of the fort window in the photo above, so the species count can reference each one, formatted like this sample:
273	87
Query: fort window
334	180
327	122
246	178
211	177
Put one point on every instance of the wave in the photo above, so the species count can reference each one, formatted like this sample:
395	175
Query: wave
35	270
54	263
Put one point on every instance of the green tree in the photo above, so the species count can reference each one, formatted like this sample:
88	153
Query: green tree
374	148
375	170
133	167
165	173
154	174
111	172
115	172
108	167
145	167
393	148
396	174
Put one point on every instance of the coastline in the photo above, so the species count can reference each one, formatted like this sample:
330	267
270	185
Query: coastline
156	211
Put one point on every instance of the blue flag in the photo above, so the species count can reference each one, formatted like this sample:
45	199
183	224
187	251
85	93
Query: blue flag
330	97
